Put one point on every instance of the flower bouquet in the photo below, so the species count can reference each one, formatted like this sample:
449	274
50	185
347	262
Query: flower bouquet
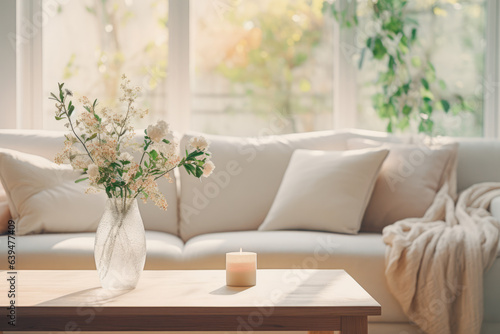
100	144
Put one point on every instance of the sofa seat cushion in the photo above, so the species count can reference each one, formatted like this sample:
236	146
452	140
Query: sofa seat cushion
76	251
362	256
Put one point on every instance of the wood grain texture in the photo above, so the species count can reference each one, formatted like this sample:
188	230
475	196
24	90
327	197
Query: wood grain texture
315	300
354	325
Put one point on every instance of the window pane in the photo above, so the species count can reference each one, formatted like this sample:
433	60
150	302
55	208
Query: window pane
452	36
261	66
90	44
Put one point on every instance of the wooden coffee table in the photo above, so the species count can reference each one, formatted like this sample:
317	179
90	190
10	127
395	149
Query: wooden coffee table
197	300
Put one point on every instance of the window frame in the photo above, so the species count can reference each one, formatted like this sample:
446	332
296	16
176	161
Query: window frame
28	64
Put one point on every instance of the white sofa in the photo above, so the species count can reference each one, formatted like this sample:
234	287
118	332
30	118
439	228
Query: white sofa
221	214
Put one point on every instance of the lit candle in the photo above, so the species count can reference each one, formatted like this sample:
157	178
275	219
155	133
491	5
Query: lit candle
241	268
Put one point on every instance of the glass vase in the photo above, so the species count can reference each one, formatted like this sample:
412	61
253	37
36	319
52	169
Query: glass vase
120	245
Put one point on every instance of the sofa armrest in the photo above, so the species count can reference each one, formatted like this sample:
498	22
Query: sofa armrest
495	208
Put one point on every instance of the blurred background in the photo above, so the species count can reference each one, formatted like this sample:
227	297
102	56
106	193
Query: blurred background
259	64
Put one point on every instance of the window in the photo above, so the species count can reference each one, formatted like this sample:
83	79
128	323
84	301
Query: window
452	37
90	44
261	66
252	67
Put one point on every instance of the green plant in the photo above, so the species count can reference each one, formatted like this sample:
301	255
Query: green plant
408	86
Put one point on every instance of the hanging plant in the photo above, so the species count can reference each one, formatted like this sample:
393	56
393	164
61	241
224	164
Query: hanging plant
408	87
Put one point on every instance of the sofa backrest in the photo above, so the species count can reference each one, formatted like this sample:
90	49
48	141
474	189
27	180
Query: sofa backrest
478	161
48	143
248	173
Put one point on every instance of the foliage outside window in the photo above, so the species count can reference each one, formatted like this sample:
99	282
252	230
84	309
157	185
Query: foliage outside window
265	59
104	39
394	38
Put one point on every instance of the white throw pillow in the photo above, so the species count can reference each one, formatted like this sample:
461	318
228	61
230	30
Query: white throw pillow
43	196
325	191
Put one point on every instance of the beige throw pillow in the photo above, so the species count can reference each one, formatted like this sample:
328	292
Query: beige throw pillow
43	196
407	183
325	191
4	212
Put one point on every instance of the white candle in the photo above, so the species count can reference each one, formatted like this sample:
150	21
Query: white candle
241	268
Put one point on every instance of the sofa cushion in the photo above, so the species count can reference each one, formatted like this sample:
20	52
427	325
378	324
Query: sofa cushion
43	196
48	143
4	212
408	181
478	161
249	170
76	251
325	191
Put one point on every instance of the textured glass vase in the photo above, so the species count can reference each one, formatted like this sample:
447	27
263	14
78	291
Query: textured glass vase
120	245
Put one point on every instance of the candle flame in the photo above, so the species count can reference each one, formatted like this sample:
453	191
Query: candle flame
241	249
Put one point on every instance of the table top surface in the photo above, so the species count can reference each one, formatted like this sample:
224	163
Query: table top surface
333	289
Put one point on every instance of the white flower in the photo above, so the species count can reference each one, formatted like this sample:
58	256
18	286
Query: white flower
199	143
126	156
164	126
208	168
168	150
93	172
158	132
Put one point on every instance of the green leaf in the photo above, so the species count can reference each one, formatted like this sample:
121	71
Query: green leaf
59	118
403	47
190	169
91	137
165	141
369	43
392	63
425	83
403	123
199	172
153	154
71	108
413	34
416	62
194	154
81	180
446	105
406	110
378	50
389	127
394	25
406	87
